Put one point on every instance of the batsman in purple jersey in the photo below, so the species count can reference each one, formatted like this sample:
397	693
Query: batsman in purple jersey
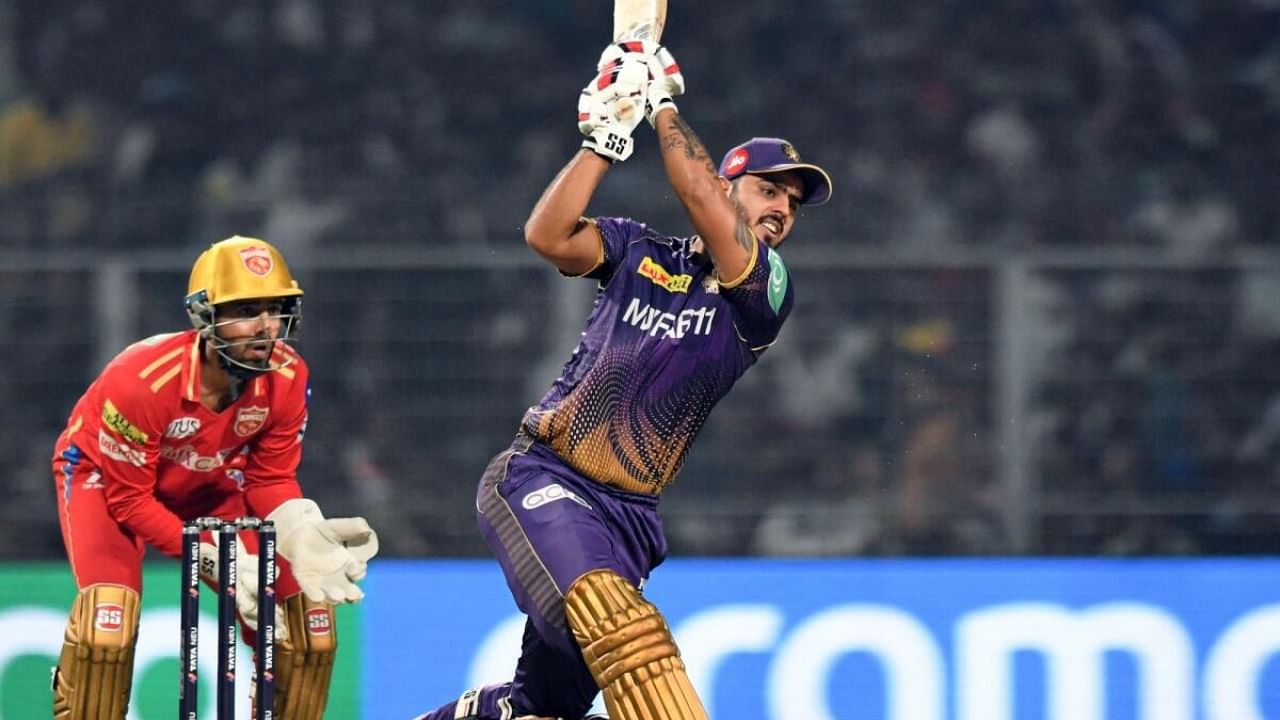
665	341
571	508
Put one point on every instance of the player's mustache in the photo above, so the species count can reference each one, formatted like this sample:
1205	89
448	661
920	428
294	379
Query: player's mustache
256	339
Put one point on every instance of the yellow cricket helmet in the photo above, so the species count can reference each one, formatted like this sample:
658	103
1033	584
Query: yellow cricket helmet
241	268
236	269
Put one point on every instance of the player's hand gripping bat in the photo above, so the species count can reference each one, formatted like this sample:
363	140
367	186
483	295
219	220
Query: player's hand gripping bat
637	20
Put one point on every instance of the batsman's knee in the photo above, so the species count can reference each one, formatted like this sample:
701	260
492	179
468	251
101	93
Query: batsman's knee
95	668
629	650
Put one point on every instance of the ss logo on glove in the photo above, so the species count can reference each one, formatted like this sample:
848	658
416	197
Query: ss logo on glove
616	143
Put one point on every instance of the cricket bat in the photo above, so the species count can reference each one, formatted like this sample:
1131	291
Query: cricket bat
637	20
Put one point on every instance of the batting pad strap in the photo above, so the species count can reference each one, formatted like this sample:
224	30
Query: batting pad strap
95	669
629	650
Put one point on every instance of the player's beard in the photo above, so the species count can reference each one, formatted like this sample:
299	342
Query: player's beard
256	353
773	240
247	357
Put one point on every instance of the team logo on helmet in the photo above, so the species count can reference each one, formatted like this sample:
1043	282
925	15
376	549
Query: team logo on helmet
257	260
790	152
250	420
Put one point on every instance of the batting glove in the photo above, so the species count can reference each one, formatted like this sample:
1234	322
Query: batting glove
610	108
325	568
666	81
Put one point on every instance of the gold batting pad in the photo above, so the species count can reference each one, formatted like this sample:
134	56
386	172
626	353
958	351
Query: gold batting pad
629	650
95	669
304	659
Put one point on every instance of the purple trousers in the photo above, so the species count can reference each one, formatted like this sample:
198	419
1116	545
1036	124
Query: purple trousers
548	525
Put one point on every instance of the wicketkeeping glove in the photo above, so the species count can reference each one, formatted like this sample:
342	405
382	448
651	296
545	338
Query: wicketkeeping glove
610	108
354	532
326	568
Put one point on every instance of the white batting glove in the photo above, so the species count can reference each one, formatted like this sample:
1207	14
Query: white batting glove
246	581
610	107
666	81
326	570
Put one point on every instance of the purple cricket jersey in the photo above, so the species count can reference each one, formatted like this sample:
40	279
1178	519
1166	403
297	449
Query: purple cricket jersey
664	342
578	489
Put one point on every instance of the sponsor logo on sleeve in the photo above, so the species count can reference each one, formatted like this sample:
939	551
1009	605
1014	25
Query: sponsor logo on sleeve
250	420
116	450
183	427
777	282
663	278
112	418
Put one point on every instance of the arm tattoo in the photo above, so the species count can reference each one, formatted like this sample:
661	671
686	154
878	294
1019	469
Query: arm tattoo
684	137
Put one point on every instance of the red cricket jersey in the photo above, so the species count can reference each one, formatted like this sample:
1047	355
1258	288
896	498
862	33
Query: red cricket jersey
163	457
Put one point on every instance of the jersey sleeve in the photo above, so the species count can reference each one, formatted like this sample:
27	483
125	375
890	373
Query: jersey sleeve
131	424
271	467
616	235
761	298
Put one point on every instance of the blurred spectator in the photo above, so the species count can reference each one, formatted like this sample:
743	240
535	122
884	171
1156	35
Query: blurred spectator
843	510
963	150
945	500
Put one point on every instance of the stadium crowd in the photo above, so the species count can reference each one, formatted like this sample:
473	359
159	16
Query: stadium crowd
974	131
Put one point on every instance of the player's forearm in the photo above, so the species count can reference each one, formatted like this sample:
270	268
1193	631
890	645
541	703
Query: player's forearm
694	178
555	218
264	497
150	521
689	166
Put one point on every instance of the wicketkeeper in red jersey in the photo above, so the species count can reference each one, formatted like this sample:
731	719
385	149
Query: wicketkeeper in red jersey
206	422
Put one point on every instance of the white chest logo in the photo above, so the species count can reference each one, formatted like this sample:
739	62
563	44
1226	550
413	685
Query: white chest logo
183	427
250	420
672	326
